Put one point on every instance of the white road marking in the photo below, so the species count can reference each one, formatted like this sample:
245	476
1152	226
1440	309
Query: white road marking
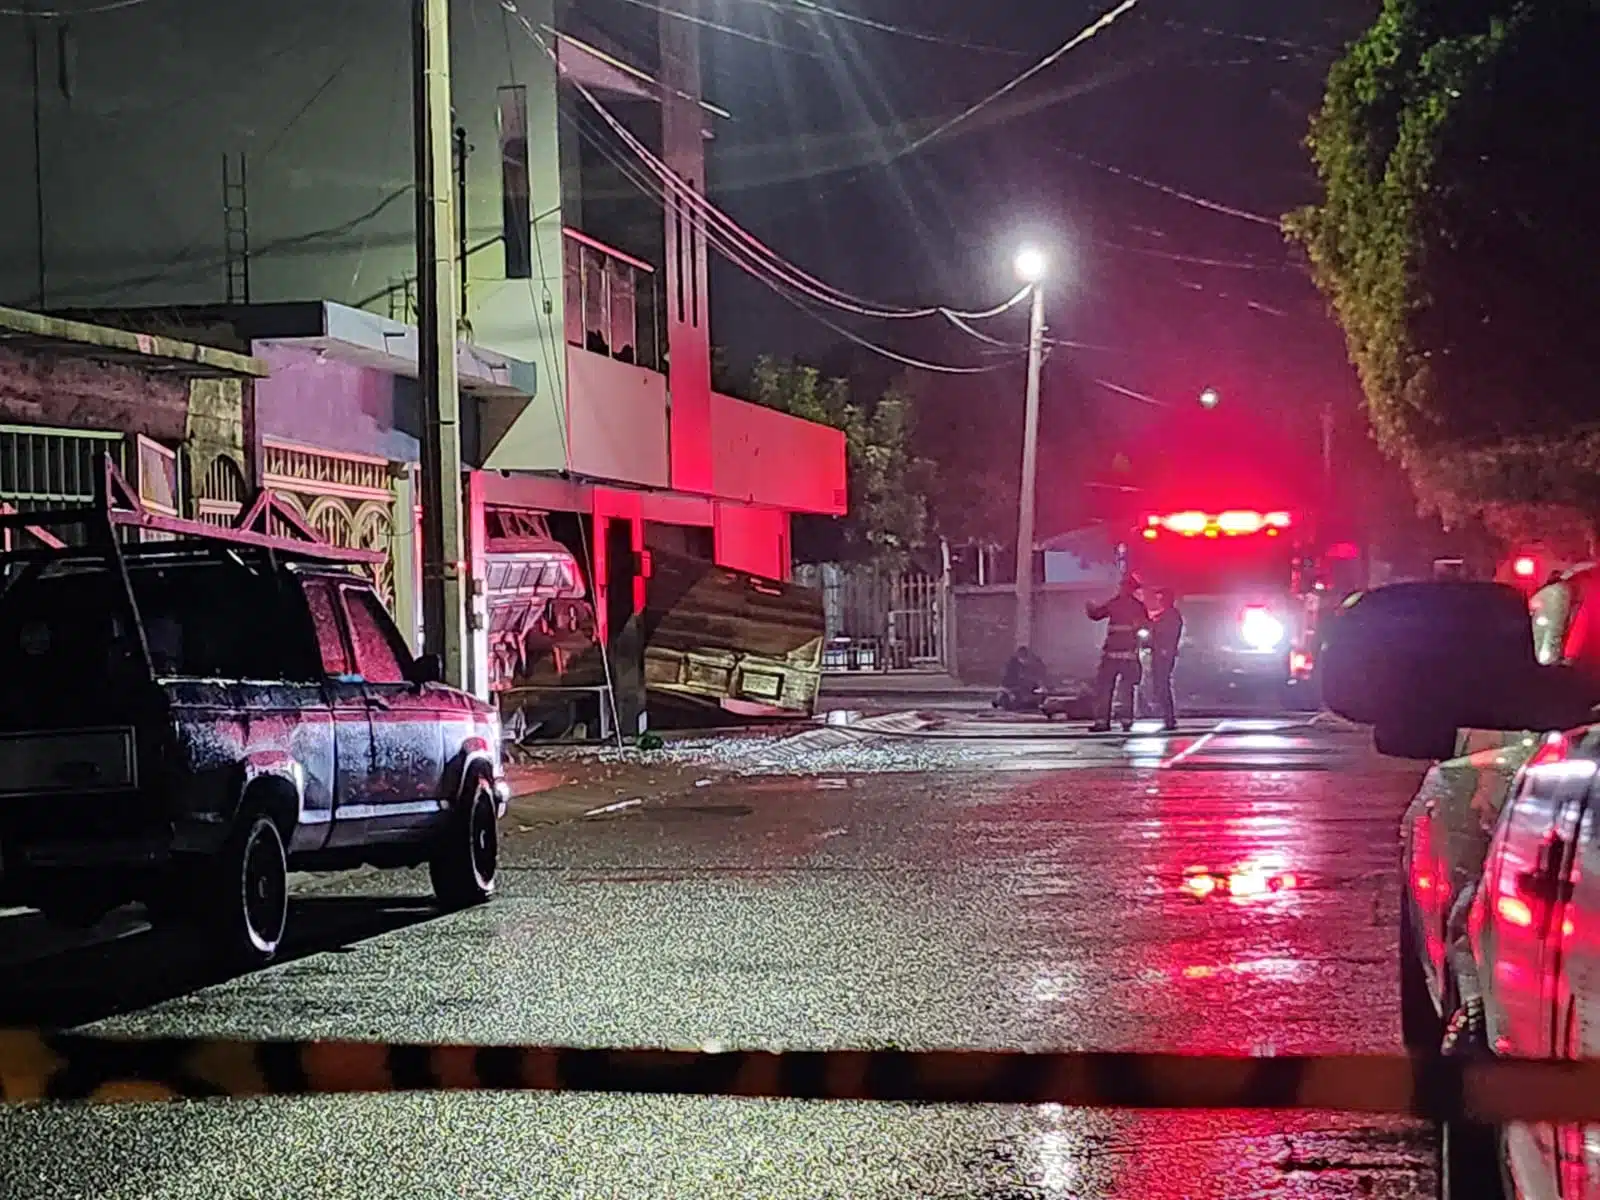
1192	748
617	807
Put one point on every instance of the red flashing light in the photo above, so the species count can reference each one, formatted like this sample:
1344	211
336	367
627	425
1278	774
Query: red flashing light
1234	522
1525	567
1189	523
1240	522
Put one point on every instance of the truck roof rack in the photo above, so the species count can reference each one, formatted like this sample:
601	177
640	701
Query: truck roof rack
117	505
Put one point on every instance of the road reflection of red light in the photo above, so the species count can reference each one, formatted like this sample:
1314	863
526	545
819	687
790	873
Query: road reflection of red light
1514	912
1245	882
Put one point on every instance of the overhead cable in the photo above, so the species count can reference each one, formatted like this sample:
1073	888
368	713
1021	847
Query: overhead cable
797	278
740	257
1049	60
1188	197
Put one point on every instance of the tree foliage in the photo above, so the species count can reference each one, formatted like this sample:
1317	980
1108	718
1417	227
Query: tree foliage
888	517
1455	242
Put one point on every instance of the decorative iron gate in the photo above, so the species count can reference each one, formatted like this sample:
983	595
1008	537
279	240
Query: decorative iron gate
899	616
347	498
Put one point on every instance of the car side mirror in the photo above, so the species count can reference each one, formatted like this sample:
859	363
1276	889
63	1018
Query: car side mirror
1418	661
428	668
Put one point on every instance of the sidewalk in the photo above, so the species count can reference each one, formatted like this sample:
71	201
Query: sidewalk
887	691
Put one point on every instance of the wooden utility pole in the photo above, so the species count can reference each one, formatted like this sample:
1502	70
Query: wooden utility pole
444	610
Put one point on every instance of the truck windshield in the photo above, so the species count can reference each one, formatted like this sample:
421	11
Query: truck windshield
1207	566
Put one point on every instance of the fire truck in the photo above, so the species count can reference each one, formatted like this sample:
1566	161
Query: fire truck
1252	595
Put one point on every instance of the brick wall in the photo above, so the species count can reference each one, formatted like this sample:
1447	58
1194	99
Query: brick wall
1063	635
74	393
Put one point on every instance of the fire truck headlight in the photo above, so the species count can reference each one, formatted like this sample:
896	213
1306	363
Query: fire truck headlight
1261	630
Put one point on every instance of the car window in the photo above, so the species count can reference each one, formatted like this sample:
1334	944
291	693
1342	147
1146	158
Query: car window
329	629
379	657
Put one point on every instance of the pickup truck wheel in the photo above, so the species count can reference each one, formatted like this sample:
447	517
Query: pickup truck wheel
463	862
249	901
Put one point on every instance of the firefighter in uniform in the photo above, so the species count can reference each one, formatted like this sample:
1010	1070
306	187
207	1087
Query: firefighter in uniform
1166	631
1126	618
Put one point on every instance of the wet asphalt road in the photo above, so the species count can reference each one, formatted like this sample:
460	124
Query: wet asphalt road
977	885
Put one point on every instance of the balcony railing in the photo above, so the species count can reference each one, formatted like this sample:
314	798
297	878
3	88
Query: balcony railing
611	302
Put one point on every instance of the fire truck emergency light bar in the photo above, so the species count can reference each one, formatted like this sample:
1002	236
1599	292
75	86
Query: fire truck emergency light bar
1231	523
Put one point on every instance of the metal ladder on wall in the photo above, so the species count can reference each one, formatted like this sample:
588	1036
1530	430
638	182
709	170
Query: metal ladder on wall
236	228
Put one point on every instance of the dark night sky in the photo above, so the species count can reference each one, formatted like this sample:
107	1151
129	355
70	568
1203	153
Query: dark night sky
1208	97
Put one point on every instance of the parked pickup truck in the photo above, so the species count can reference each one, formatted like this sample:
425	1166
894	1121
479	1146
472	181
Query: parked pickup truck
184	721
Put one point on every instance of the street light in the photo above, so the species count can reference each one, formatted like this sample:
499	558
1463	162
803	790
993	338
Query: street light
1031	266
1210	398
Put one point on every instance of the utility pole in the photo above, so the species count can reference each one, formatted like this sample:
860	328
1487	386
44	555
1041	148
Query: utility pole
444	610
1031	267
38	156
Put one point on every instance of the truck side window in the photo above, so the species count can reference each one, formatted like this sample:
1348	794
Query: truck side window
378	657
330	637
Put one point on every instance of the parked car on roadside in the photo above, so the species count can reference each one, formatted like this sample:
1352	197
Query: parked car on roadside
182	722
1500	904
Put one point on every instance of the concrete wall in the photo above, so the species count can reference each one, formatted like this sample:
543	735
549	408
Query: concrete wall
1064	636
753	539
763	456
334	405
73	393
140	104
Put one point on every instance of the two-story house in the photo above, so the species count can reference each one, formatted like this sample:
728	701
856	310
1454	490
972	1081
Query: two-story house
241	176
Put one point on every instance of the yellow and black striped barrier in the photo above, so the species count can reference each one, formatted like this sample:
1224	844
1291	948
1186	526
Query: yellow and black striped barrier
71	1068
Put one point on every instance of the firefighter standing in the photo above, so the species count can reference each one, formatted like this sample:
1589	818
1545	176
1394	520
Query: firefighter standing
1126	618
1166	631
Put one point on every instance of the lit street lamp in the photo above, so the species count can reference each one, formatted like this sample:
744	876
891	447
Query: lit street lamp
1210	398
1031	266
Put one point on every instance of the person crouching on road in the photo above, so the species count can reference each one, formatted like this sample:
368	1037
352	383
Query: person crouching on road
1119	672
1166	631
1022	685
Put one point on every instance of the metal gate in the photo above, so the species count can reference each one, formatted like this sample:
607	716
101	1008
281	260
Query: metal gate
893	620
347	498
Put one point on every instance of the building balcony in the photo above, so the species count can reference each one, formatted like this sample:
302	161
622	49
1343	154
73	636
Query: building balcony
616	394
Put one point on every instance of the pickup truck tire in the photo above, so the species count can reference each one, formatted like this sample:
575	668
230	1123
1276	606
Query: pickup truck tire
246	892
464	860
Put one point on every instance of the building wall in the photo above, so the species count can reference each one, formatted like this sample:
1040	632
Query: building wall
140	104
320	401
762	455
753	539
83	394
1065	638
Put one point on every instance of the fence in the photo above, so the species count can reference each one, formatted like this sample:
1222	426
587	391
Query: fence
880	619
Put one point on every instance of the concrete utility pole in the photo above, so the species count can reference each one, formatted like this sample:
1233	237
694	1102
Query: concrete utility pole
1031	268
444	609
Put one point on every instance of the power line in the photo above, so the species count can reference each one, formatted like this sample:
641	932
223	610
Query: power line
1236	264
706	23
793	276
742	259
1083	35
62	14
919	35
1188	197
